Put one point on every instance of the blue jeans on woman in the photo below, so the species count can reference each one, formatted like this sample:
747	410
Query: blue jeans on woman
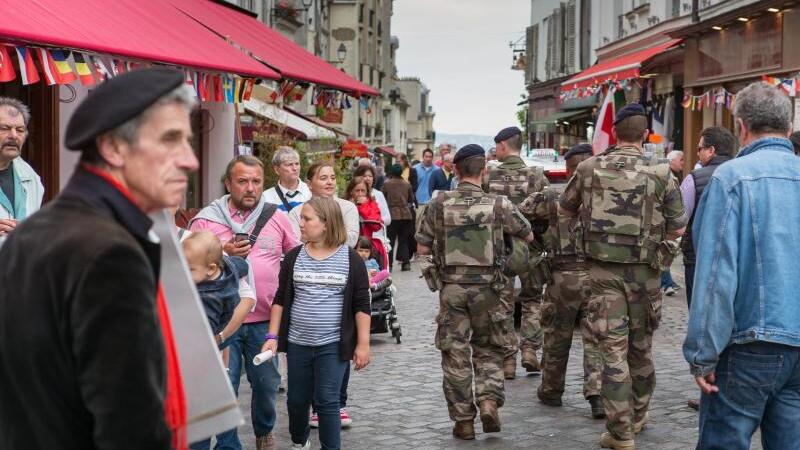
759	386
315	373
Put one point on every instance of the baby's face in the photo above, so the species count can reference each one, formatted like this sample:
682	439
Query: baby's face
198	268
364	253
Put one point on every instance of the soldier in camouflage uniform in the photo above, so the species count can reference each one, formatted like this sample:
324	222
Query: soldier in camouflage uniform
464	230
514	179
631	211
567	299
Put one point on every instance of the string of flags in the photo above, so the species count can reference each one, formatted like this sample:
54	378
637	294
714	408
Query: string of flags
589	91
718	96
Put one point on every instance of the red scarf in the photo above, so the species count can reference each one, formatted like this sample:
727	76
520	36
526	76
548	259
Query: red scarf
175	401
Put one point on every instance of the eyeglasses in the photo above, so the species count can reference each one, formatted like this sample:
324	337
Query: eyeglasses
5	129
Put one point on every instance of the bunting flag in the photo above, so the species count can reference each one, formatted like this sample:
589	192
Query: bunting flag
237	90
49	69
789	86
227	86
7	72
100	68
117	67
603	137
772	81
27	69
219	94
83	69
248	89
65	72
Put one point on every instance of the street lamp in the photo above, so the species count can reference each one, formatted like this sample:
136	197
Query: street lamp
341	53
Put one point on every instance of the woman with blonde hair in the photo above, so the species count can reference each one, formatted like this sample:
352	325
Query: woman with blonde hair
321	319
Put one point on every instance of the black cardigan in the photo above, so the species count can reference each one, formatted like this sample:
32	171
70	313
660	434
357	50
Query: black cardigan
356	299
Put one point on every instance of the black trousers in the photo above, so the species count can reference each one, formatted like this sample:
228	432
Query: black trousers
401	232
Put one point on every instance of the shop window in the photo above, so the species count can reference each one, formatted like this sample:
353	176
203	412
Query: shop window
755	45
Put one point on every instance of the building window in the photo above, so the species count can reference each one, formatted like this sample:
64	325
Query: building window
371	18
247	4
361	14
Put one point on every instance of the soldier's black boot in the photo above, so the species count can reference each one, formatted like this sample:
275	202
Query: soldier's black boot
464	429
547	400
597	406
490	418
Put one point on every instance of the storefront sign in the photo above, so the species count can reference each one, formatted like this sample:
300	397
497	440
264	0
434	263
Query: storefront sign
751	46
332	115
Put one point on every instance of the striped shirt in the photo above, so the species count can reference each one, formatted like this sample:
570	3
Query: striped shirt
319	286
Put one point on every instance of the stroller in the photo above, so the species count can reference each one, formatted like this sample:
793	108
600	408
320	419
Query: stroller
383	310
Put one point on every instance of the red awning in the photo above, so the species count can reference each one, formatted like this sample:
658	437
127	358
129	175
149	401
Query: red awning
354	149
150	30
269	46
625	66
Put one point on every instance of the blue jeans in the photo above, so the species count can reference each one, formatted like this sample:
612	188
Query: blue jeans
666	279
759	386
264	381
315	373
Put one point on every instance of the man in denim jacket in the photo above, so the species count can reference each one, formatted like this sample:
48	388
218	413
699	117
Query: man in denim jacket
743	343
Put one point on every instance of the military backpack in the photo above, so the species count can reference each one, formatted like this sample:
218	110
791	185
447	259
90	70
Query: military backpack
516	184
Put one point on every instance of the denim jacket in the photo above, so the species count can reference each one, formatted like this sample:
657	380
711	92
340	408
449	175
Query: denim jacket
747	278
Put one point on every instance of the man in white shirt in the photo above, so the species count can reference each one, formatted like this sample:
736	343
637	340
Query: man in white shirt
290	191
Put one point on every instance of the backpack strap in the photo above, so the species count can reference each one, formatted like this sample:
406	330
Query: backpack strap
266	214
282	196
500	246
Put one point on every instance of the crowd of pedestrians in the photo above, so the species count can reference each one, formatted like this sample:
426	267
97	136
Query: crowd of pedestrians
288	268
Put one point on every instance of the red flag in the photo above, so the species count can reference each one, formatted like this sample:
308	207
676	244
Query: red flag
219	95
248	89
27	69
603	137
7	72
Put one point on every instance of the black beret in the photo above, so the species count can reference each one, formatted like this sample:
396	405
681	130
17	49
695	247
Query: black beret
629	110
580	149
506	133
116	101
469	151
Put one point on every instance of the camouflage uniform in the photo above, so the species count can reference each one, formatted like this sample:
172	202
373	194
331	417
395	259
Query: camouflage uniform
567	299
514	179
463	228
627	206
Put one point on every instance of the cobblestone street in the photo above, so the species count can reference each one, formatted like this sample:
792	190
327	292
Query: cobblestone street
397	401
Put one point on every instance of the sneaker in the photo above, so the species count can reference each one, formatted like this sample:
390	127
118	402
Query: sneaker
314	420
305	446
346	419
669	291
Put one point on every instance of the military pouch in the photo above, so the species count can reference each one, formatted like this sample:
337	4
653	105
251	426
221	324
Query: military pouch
654	312
499	281
444	332
431	273
663	255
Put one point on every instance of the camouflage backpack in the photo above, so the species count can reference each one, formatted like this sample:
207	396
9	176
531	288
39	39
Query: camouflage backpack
622	221
516	184
564	236
470	248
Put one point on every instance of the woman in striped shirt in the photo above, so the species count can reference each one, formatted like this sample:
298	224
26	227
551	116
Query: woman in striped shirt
321	319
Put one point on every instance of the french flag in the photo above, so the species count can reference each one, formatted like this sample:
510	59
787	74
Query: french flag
27	69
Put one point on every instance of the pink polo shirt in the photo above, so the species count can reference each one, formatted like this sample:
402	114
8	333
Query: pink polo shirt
276	238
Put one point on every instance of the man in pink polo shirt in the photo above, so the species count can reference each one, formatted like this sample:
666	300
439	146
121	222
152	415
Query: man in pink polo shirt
232	218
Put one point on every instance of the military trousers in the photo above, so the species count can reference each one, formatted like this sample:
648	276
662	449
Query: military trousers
472	329
530	298
567	302
629	297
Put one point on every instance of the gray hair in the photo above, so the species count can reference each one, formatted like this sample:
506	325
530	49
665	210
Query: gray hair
21	108
674	154
763	109
183	95
283	154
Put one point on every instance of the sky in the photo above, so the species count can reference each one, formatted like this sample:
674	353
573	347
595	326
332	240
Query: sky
459	49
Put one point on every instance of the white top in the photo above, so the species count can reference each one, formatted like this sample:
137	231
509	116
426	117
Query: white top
295	198
349	214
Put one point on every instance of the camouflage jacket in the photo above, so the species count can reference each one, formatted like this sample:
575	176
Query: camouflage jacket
514	179
563	239
627	205
465	229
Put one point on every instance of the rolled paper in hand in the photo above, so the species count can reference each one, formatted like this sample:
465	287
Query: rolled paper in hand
263	357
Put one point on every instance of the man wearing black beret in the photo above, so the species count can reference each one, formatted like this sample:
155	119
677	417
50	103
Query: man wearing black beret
86	350
632	212
514	179
457	239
